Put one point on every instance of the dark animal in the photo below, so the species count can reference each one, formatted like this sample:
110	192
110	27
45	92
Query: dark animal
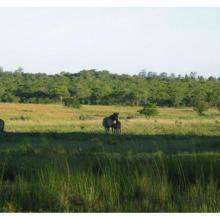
114	117
116	128
109	121
2	126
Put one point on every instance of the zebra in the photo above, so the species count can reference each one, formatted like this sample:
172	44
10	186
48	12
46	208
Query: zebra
115	125
2	126
116	128
107	124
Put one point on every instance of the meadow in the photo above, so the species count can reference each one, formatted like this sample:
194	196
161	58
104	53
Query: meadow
58	159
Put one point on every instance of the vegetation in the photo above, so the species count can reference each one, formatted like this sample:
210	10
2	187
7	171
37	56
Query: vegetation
102	87
201	106
218	105
149	109
58	159
71	102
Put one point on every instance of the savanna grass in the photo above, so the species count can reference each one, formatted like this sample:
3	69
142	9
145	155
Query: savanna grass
59	160
101	182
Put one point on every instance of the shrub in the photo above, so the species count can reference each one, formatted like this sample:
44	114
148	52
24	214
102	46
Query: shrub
218	105
7	97
71	102
200	107
149	109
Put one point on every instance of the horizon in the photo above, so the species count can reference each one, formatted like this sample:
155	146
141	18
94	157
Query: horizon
157	74
119	40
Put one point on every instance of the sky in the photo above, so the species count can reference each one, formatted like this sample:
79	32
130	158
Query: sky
121	40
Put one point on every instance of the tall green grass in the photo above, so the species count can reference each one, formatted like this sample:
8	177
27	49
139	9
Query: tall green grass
57	159
82	181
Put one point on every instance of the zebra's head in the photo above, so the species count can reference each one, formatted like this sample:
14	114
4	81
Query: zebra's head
116	114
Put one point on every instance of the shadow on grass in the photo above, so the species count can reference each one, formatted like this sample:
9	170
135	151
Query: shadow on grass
125	156
136	142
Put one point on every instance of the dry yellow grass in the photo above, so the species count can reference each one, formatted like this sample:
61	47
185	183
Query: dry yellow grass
57	118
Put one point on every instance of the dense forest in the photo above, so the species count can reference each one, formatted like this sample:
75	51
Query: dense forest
103	87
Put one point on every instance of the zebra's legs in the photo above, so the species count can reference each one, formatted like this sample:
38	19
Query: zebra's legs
107	130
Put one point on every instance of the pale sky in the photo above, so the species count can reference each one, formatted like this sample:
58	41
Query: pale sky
121	40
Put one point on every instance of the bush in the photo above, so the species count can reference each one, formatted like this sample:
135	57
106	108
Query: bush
218	105
71	102
201	106
149	109
8	97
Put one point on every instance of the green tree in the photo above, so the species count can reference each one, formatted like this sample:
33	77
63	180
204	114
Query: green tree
60	92
201	106
104	88
8	97
80	91
19	70
149	109
71	102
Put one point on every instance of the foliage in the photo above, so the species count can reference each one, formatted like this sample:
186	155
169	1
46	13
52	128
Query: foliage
8	97
71	102
218	105
201	106
149	109
102	87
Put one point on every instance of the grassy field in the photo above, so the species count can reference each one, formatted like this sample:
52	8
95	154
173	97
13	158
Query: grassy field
58	159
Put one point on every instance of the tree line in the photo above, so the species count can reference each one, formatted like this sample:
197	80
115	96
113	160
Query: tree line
105	88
